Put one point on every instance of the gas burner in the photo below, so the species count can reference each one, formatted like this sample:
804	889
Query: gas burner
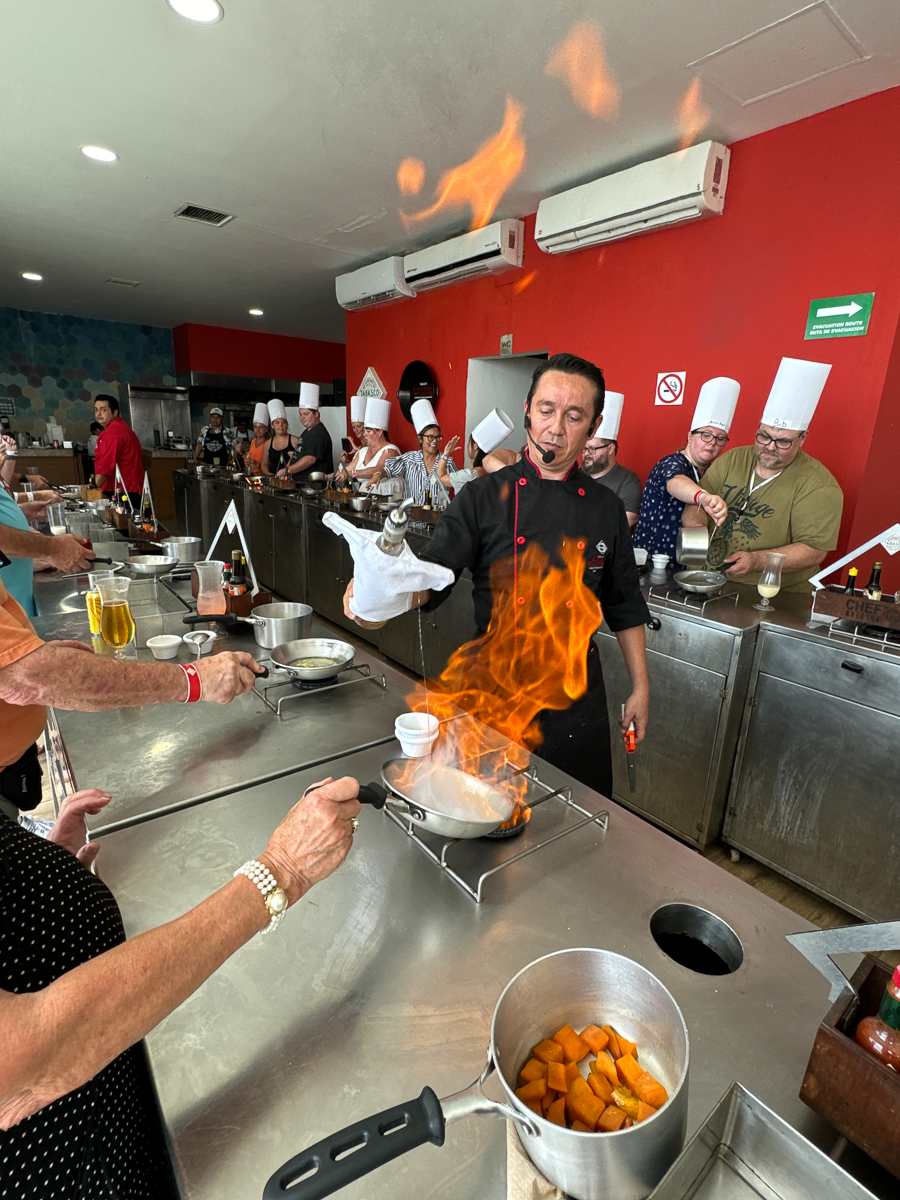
511	831
313	685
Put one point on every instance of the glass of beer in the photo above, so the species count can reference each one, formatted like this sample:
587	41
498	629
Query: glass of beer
116	621
769	584
92	601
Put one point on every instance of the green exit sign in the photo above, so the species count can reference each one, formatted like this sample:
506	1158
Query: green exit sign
839	316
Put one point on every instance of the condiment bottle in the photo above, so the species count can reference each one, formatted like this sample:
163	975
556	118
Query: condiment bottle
396	523
880	1035
873	587
850	589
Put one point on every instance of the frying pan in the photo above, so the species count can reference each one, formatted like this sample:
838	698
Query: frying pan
431	794
151	564
340	654
704	583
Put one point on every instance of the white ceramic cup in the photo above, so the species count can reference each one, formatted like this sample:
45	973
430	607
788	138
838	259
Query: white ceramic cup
416	732
164	645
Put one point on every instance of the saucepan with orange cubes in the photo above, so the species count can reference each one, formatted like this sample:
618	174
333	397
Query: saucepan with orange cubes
592	1053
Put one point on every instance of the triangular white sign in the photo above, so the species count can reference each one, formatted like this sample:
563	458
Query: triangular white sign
372	386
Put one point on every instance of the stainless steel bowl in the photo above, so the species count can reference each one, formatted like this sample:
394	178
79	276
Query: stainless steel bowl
151	564
339	655
185	549
704	583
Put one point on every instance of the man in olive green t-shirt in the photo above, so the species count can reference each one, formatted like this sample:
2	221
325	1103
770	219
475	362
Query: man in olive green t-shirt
778	499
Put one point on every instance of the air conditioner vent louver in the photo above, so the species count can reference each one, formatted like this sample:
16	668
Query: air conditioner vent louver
124	282
206	216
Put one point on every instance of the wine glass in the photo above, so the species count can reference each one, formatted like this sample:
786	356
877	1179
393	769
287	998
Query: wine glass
769	584
116	621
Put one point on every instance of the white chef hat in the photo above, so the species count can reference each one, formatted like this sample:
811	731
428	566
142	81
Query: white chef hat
795	393
377	414
492	431
309	395
261	414
422	415
716	404
358	408
276	410
608	429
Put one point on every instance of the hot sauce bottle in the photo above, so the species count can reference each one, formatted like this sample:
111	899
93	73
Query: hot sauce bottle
880	1035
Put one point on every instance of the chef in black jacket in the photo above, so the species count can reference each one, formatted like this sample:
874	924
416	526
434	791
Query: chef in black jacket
545	498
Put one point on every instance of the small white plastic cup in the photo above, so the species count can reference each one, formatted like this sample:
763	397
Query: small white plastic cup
164	645
660	562
416	733
640	556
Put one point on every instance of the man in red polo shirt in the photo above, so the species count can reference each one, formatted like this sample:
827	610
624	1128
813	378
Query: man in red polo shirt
117	446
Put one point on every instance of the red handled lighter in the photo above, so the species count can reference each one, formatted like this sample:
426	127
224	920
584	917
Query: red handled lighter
630	741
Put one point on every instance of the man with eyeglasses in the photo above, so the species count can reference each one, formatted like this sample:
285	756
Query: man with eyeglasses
675	480
599	459
778	497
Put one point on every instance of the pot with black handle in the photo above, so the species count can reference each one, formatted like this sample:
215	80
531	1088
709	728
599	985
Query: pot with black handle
578	987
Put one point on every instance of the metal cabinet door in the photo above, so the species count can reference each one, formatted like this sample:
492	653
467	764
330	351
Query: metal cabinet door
327	571
290	551
260	532
673	763
190	516
815	795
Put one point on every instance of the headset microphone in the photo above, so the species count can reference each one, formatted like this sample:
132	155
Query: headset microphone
547	455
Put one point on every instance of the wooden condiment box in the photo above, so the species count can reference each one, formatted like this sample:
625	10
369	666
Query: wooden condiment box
138	534
835	602
335	496
88	493
281	485
848	1087
430	516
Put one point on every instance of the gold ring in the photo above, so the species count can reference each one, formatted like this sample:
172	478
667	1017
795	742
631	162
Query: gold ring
354	826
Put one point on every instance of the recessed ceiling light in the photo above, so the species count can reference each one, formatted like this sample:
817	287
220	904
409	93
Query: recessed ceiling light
255	312
33	276
205	11
99	153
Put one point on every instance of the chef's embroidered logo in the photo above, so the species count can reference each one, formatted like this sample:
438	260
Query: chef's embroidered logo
602	547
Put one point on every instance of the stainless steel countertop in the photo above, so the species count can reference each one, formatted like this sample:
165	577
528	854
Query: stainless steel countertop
384	979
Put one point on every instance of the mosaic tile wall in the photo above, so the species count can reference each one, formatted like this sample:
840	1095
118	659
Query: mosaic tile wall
52	366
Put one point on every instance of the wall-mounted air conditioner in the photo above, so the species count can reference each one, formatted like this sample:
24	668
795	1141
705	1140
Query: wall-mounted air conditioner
679	187
375	284
487	251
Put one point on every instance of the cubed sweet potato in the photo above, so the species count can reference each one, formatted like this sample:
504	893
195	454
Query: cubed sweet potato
557	1078
575	1048
571	1072
535	1106
644	1110
557	1111
585	1108
601	1087
627	1047
536	1090
580	1127
604	1065
548	1051
533	1069
628	1070
613	1046
649	1090
548	1100
612	1118
595	1038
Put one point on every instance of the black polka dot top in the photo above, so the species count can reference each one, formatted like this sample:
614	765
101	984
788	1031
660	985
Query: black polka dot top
103	1141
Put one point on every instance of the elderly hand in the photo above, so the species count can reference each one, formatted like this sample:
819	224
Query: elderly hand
7	446
742	562
714	505
226	675
70	830
375	479
314	838
69	553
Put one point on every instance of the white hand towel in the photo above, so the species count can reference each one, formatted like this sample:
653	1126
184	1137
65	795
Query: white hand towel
383	586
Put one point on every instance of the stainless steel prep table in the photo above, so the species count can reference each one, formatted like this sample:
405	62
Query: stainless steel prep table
814	793
384	978
699	653
162	754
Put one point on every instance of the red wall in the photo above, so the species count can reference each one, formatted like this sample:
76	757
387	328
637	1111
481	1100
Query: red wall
263	355
812	210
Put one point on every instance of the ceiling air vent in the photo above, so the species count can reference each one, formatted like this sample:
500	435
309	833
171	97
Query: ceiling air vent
206	216
124	282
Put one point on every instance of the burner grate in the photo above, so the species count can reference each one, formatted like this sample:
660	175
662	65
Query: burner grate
298	689
675	597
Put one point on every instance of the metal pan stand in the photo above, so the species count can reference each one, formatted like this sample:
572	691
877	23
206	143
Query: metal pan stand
360	673
489	852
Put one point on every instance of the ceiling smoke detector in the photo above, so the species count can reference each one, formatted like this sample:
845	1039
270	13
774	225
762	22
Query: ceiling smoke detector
206	216
124	282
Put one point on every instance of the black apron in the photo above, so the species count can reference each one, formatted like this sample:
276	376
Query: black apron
215	448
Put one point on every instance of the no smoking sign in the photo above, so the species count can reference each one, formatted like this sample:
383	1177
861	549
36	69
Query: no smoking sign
670	387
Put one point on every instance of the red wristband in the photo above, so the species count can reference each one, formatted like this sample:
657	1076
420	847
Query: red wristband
195	684
697	494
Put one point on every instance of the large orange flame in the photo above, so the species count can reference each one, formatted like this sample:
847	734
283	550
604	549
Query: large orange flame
482	180
691	114
580	60
533	657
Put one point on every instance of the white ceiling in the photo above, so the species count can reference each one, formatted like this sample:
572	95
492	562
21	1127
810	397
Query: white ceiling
295	114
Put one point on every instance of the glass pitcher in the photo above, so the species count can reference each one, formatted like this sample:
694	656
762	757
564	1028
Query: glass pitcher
116	621
210	596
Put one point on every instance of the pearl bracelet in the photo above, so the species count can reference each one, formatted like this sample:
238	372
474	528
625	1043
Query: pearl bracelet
273	896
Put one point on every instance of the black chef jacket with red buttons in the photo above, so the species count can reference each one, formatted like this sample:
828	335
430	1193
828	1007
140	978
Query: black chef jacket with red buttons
498	513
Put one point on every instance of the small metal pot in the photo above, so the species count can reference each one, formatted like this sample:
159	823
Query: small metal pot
185	549
360	503
276	624
692	547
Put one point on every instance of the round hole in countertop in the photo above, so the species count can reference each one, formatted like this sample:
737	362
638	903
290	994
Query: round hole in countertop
697	939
